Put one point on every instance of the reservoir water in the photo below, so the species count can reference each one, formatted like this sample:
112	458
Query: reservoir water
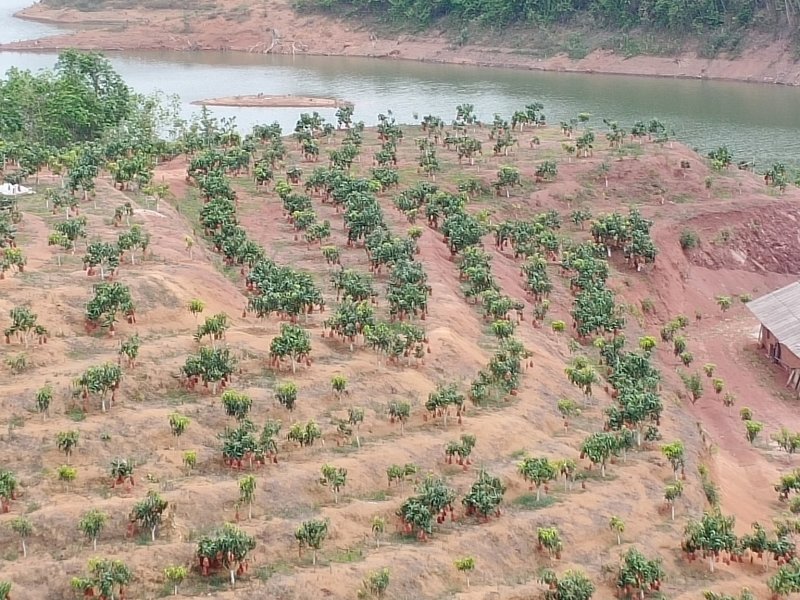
760	122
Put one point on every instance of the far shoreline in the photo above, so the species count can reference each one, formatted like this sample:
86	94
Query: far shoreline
766	65
265	101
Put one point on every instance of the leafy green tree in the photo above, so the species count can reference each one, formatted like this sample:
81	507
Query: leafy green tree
676	455
236	404
375	584
538	471
485	496
442	398
335	478
638	575
752	429
196	307
67	475
549	539
786	581
294	343
599	448
247	493
339	385
378	529
311	534
286	394
92	524
109	300
23	527
672	492
190	459
67	441
617	525
106	578
149	512
711	535
129	348
175	576
355	417
231	544
787	441
100	380
724	302
8	489
178	424
465	565
573	585
507	178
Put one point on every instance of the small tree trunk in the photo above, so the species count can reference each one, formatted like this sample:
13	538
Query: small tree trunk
24	549
672	511
153	533
314	558
602	469
619	538
233	577
175	590
711	561
538	493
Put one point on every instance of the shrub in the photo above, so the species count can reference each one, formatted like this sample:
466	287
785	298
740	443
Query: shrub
689	239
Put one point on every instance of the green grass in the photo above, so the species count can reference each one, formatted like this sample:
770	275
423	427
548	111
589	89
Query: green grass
529	501
76	413
347	555
266	572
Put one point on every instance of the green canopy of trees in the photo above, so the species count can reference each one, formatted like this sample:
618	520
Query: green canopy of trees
75	102
662	14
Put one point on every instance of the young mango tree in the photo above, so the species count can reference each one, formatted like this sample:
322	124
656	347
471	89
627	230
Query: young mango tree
99	380
109	300
638	575
399	412
107	579
335	478
236	404
466	566
711	535
485	496
92	524
672	492
175	576
355	417
149	512
507	178
676	455
294	343
617	525
129	348
286	394
247	493
178	424
311	534
23	527
599	448
8	489
67	441
572	585
538	471
227	548
44	397
549	539
442	398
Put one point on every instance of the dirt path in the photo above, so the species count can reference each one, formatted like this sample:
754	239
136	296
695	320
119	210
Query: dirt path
281	30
